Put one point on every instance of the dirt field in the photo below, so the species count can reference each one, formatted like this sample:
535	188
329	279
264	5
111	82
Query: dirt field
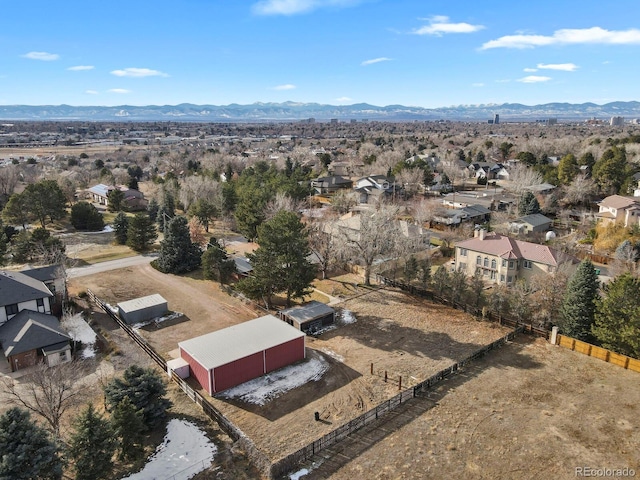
401	335
529	410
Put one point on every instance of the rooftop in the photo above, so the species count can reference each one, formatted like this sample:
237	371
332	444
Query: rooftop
509	248
29	330
16	287
308	311
142	302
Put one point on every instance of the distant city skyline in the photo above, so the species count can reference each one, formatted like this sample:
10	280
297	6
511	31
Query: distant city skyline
336	52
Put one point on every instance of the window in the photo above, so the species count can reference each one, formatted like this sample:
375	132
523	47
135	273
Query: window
510	263
504	263
527	264
493	264
40	302
486	262
493	275
501	278
509	279
478	260
462	266
485	272
63	356
11	309
463	252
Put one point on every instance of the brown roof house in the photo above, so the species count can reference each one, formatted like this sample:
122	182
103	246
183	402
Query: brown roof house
504	260
133	199
616	208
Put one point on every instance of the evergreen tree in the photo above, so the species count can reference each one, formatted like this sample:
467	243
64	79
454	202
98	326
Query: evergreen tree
610	171
85	216
27	451
120	228
411	268
567	168
578	309
141	233
115	200
45	199
528	204
16	211
164	216
441	280
425	272
216	264
92	446
152	209
280	264
146	390
128	425
178	254
617	318
204	211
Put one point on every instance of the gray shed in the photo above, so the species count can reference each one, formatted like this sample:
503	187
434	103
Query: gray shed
309	317
142	309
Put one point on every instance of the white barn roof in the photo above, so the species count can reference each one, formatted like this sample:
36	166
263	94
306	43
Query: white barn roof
141	303
238	341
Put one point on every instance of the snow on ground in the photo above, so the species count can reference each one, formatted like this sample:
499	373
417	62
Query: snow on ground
333	354
264	389
158	320
184	452
299	474
346	317
80	331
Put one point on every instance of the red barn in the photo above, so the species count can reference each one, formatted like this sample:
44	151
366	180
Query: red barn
237	354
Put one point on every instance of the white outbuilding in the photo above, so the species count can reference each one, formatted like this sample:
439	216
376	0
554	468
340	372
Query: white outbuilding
142	309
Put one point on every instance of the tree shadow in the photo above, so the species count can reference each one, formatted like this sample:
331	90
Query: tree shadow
153	326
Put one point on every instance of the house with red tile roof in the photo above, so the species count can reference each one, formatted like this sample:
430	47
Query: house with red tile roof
504	260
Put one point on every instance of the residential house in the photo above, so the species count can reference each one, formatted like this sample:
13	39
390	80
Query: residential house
53	277
504	260
133	199
21	292
373	187
533	223
31	337
327	185
619	209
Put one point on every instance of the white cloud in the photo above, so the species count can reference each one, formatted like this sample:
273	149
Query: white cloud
534	79
529	70
294	7
80	68
119	90
138	72
91	92
439	25
375	60
565	67
286	86
477	84
344	99
44	56
568	36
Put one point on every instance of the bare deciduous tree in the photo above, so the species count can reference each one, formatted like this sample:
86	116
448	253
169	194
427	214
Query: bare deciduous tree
548	294
521	177
48	392
8	180
424	210
323	243
196	187
281	201
579	191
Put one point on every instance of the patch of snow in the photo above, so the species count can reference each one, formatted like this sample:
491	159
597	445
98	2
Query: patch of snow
299	474
317	333
184	452
157	320
333	354
346	317
107	229
80	331
270	386
112	308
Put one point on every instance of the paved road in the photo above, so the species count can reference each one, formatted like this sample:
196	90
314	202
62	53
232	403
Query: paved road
110	265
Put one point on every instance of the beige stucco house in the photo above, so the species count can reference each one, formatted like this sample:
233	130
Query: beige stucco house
504	260
619	209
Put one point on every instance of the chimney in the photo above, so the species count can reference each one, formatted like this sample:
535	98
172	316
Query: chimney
481	233
476	231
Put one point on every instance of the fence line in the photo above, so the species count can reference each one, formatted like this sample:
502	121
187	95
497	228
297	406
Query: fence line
430	295
289	462
599	353
258	458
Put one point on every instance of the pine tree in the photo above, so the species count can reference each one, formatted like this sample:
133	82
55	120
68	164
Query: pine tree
152	209
441	280
425	272
280	264
128	425
146	390
528	204
578	309
216	264
141	233
178	254
411	268
92	446
617	318
85	216
120	228
27	451
115	200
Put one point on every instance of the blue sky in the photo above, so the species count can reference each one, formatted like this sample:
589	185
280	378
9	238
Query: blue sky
418	53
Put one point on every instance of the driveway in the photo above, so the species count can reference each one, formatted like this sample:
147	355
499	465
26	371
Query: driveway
110	265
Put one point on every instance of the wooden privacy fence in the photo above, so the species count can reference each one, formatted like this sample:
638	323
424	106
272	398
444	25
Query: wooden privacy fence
288	463
489	315
599	353
258	458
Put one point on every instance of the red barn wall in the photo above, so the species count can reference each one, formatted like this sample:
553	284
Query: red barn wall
284	354
240	371
196	370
